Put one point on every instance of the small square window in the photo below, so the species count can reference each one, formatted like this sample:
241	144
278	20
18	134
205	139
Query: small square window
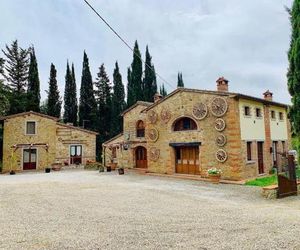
273	116
247	111
30	128
258	112
280	116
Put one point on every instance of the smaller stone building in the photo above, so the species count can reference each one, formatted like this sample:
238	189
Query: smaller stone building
192	130
34	141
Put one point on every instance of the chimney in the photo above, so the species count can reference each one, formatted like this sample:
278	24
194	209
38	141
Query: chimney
268	95
157	97
222	84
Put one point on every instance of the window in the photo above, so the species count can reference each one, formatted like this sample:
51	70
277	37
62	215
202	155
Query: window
247	111
30	128
258	112
273	114
280	116
140	129
185	123
249	151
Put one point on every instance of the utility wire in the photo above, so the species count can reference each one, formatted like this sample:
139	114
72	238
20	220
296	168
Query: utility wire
127	45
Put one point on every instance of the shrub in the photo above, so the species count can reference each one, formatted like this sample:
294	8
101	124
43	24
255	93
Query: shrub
93	165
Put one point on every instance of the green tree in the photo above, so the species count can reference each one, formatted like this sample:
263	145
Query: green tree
162	90
54	101
87	106
16	75
180	82
293	74
70	97
4	102
33	88
136	85
118	102
44	107
1	66
103	99
149	80
130	89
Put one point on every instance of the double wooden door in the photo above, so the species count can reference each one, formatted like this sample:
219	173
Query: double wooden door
187	160
29	158
141	157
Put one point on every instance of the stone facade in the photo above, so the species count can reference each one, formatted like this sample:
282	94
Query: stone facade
161	140
52	141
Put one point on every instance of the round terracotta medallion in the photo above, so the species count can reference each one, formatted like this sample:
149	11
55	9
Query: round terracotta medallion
219	106
154	154
165	115
152	116
221	140
153	134
220	124
200	111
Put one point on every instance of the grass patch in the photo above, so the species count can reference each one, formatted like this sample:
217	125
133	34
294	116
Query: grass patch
267	181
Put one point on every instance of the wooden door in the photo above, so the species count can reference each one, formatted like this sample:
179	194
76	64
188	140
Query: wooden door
187	160
141	157
260	157
29	159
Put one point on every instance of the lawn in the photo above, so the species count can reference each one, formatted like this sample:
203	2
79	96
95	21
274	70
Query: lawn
269	180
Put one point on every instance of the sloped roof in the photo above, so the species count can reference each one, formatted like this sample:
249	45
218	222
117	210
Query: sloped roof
113	138
215	92
142	103
47	117
28	113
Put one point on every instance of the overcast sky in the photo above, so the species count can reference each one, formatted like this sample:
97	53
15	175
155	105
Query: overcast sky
244	40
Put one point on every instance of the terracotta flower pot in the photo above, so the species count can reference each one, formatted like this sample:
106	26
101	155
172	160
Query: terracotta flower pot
108	169
121	170
214	178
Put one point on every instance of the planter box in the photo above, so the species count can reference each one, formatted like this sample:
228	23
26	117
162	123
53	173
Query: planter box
214	178
56	166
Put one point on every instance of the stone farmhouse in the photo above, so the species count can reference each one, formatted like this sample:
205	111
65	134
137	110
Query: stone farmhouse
35	141
190	131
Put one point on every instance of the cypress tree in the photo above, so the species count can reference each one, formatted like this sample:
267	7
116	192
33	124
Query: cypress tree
293	74
54	102
136	85
118	102
149	81
87	106
130	90
33	88
4	102
162	90
103	99
1	66
70	99
16	75
180	80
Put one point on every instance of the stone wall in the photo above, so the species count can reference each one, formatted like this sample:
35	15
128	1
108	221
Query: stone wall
59	137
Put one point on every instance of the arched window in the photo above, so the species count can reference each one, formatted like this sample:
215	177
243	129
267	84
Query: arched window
185	123
140	129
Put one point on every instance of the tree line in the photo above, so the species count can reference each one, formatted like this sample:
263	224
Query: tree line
101	102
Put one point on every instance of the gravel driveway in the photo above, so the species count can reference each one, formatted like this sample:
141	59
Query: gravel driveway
88	210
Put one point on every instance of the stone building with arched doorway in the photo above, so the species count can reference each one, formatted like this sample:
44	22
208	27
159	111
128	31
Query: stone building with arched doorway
191	130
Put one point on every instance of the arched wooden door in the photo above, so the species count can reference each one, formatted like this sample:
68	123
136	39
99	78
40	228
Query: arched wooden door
141	157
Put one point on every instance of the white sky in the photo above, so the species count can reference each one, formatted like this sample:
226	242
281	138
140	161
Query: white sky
244	40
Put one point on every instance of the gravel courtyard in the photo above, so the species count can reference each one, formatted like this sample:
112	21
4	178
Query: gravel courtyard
89	210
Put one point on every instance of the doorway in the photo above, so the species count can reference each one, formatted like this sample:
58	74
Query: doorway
187	160
141	157
29	158
260	157
76	154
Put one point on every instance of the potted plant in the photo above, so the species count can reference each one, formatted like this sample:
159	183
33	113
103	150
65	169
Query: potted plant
12	172
56	166
121	170
47	170
101	168
108	169
214	175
